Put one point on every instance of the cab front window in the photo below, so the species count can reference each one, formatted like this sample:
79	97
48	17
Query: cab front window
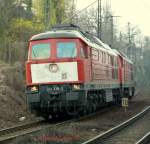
40	51
66	49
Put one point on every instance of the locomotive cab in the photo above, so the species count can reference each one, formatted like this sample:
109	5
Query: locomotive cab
55	72
56	61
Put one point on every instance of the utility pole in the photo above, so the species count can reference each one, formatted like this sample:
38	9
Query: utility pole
131	33
112	28
47	14
99	25
73	19
129	41
29	9
120	37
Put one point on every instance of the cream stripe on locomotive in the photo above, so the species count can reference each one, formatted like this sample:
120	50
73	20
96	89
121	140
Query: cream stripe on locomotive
54	72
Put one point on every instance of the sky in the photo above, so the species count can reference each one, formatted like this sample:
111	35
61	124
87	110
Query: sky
137	12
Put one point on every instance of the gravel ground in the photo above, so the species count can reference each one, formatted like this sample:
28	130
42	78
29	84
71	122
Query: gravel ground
77	132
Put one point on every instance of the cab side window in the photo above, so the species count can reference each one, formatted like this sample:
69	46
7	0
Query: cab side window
83	52
95	54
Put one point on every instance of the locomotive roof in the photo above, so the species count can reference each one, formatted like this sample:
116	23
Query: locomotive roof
93	41
74	31
123	55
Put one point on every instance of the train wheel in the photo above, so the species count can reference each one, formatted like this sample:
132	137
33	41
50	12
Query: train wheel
47	117
89	107
94	107
72	109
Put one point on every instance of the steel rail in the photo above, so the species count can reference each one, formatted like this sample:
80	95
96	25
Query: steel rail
116	129
145	139
21	130
19	127
24	131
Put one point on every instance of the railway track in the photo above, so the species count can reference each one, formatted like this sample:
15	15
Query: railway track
145	139
19	130
18	127
11	133
107	137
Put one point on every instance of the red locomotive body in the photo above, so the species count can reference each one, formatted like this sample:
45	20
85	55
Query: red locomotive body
71	71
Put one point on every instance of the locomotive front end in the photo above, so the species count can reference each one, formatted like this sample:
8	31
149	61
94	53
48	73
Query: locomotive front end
54	81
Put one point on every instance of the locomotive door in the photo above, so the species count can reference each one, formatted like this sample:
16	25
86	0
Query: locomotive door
121	75
89	64
121	70
85	55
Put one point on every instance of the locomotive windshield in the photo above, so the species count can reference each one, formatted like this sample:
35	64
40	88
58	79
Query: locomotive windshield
41	51
66	49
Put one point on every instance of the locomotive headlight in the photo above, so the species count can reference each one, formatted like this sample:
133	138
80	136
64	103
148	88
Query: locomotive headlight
76	86
34	89
53	68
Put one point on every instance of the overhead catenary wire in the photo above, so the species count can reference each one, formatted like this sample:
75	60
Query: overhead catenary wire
79	12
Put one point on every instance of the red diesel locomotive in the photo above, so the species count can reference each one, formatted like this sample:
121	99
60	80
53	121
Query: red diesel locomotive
71	71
